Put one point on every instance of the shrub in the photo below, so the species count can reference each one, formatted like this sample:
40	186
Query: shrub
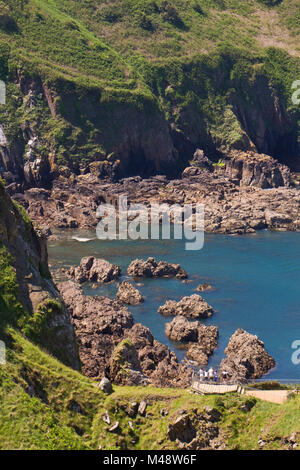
169	13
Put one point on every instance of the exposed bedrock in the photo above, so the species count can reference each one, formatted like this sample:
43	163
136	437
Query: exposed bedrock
199	340
128	294
192	307
95	270
196	429
252	169
153	268
230	208
246	357
111	344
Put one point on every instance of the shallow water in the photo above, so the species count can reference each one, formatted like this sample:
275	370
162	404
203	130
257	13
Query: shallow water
256	280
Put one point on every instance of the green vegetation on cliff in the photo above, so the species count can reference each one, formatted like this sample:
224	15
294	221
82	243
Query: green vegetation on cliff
119	75
45	405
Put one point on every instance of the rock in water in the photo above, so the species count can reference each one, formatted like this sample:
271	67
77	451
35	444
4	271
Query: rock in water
200	340
95	270
105	385
246	357
101	326
152	268
128	294
204	287
190	307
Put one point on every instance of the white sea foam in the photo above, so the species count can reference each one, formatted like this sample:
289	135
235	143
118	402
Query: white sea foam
83	240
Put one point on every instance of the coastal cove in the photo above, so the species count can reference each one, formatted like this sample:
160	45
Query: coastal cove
255	279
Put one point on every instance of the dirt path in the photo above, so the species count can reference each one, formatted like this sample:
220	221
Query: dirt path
273	396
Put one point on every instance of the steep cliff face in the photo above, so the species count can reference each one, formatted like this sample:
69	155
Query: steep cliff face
28	298
99	85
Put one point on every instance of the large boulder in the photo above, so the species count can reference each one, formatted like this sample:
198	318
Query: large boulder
153	268
246	357
95	270
105	385
190	307
128	294
182	331
199	340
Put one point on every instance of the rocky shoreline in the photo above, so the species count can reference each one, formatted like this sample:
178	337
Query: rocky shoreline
243	193
112	345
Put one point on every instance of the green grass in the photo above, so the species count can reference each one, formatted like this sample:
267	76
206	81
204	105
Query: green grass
46	405
105	58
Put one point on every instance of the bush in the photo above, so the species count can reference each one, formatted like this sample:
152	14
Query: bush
144	22
169	13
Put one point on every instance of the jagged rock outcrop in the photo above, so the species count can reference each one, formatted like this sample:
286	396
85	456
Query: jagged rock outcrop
246	357
125	367
99	324
95	270
252	169
34	287
153	268
110	343
158	363
199	164
195	429
192	307
199	340
128	294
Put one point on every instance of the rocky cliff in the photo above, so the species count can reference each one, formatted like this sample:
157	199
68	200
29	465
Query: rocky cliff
84	100
28	298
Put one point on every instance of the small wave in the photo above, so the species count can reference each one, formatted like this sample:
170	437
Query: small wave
83	240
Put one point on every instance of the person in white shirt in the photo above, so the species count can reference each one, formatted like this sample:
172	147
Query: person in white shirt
201	375
211	374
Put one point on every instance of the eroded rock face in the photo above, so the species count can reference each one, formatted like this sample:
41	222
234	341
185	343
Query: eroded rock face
260	170
199	340
195	429
246	357
110	344
125	367
230	208
190	307
200	163
95	270
36	290
153	268
128	294
158	363
99	323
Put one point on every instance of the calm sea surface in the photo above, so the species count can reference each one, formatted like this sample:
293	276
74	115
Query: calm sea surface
256	280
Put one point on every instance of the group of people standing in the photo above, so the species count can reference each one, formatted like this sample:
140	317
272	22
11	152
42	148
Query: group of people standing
212	375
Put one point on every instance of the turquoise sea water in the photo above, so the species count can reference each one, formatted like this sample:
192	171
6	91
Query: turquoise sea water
256	280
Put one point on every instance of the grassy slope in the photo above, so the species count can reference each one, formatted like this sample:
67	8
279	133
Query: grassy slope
128	51
104	37
65	412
